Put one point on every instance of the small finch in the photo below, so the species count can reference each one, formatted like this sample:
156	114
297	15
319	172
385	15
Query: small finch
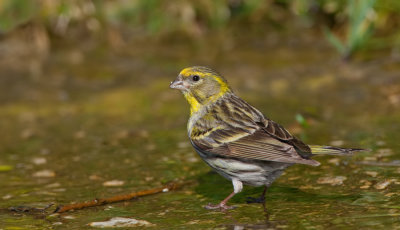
237	140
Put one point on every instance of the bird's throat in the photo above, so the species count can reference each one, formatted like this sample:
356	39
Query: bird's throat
193	102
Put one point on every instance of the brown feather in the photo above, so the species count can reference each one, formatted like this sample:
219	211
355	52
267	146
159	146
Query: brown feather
241	131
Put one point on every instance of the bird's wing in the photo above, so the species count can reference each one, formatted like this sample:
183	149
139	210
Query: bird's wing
277	131
234	128
256	146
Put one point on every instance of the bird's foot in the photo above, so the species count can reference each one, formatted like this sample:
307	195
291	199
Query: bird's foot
259	200
221	206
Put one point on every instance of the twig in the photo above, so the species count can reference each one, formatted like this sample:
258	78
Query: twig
118	198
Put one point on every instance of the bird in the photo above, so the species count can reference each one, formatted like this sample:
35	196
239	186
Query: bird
235	139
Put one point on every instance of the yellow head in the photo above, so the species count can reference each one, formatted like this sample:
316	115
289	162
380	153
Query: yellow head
200	86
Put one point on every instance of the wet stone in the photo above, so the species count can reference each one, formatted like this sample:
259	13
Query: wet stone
337	180
371	173
6	197
334	161
39	160
337	143
44	173
383	184
365	184
113	183
119	222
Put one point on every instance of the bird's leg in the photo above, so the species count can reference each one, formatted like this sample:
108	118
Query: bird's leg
260	199
237	187
222	205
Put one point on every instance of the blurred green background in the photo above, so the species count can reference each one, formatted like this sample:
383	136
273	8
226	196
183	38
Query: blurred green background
349	26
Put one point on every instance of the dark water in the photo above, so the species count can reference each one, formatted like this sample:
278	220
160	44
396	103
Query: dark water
91	115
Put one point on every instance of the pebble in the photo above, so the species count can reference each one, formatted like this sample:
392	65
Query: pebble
80	134
39	160
338	180
371	173
95	177
6	197
46	173
116	222
113	183
366	184
334	161
53	185
337	143
27	133
383	184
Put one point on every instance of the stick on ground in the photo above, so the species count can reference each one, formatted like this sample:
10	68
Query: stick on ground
118	198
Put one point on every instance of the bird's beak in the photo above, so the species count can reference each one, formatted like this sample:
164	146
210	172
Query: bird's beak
178	84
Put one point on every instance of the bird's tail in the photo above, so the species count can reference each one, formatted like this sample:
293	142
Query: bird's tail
328	150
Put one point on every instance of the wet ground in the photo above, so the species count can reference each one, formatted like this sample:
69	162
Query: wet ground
91	122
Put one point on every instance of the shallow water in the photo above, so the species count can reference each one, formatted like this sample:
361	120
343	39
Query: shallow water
93	115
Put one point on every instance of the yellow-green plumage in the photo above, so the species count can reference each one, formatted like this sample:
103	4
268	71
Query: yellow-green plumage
236	139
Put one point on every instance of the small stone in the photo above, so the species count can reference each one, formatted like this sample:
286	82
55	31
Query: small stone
371	173
338	180
383	184
113	183
191	158
54	185
76	158
95	177
334	161
69	217
150	147
46	173
121	222
39	160
337	143
80	134
109	207
27	133
6	197
390	194
366	184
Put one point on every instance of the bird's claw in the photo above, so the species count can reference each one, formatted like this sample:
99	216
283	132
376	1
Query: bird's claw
220	206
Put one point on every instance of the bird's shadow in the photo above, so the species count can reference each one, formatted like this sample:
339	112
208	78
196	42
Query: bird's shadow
215	188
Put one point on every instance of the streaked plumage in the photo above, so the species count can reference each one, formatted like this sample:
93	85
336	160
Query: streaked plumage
234	138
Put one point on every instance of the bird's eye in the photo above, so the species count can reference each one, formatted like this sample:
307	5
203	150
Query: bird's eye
195	78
